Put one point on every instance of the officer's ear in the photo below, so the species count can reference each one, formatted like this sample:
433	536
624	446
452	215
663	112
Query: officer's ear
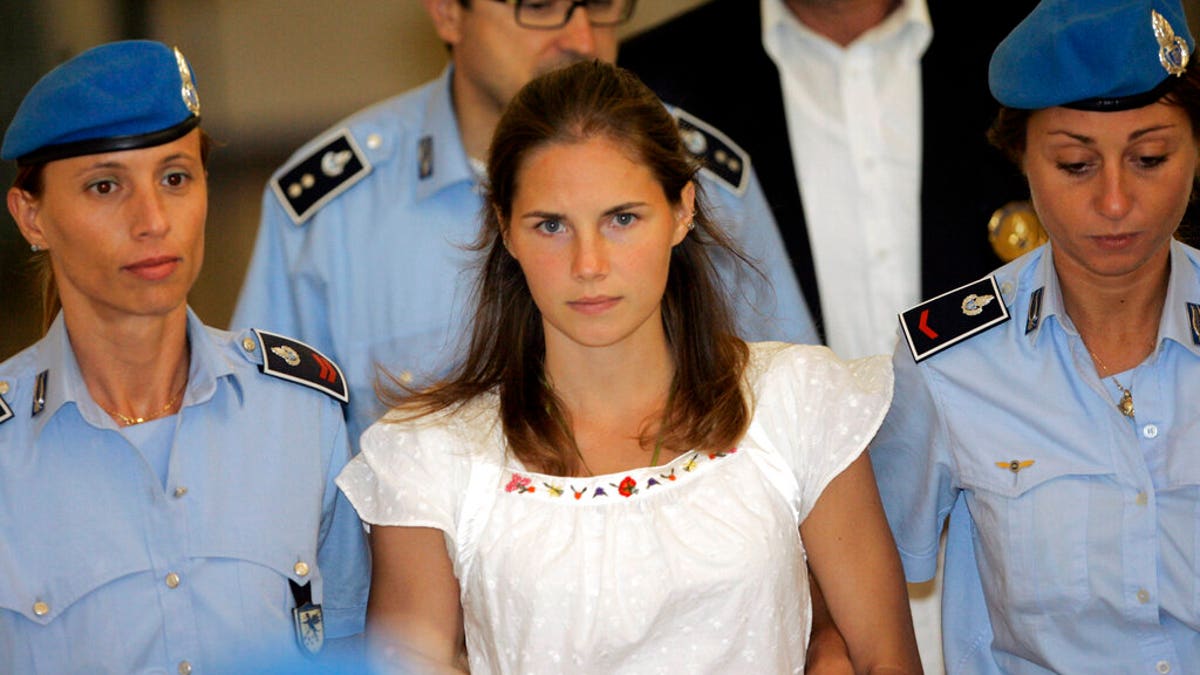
24	208
447	18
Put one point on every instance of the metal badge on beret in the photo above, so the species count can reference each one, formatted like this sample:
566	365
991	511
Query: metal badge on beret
1172	49
191	97
1015	230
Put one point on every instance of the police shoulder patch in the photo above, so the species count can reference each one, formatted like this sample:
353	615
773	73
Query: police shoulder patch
312	181
6	412
293	360
721	157
952	317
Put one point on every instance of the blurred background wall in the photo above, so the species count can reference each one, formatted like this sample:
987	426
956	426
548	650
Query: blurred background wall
271	73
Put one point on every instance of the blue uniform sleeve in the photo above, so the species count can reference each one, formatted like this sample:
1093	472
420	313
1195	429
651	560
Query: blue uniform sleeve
913	467
770	309
342	548
283	292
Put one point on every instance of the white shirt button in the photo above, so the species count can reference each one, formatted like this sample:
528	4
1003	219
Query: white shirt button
1163	667
172	580
1150	431
374	141
1143	596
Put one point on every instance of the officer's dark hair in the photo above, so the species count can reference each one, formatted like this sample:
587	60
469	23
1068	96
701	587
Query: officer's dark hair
708	408
30	179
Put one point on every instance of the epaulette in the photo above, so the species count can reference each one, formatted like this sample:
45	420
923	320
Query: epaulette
721	157
952	317
326	172
6	412
293	360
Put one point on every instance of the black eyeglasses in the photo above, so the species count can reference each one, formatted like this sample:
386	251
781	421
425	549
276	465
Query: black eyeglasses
551	14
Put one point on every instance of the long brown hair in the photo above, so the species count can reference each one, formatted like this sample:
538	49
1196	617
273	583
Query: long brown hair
707	406
30	179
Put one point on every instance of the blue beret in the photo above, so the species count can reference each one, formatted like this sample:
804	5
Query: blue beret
118	96
1092	54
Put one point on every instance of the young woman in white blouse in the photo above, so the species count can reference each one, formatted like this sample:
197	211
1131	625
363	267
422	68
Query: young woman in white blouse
612	481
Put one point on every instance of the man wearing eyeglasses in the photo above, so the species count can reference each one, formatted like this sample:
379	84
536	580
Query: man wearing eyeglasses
362	248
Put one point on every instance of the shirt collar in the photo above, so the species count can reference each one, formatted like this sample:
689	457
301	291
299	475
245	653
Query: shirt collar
908	26
439	130
65	385
1183	288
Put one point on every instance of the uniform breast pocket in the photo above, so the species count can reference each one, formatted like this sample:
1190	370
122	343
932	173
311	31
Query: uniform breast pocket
1035	527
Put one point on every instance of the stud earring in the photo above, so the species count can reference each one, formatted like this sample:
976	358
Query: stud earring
691	225
35	248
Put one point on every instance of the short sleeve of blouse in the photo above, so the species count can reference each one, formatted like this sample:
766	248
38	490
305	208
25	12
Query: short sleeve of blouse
408	474
818	411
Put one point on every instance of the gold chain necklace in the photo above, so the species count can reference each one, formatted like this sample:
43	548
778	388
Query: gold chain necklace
127	421
1126	403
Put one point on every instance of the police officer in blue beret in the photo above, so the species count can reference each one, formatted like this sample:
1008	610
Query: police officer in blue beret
1051	410
166	489
363	248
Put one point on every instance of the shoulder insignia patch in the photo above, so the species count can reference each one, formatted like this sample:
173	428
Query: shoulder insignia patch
328	171
1193	311
722	158
39	393
293	360
6	412
952	317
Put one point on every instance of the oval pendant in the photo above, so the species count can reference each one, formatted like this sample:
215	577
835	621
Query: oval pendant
1126	404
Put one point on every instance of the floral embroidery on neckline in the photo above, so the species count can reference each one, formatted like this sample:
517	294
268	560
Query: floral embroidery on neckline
613	485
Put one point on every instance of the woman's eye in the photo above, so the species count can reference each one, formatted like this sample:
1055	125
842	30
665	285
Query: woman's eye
625	219
1151	161
102	187
176	178
1073	168
550	226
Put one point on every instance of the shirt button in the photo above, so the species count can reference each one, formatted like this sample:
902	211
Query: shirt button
3	387
1143	596
40	608
1141	499
301	569
180	491
1150	431
172	580
248	345
406	377
185	668
1163	667
374	141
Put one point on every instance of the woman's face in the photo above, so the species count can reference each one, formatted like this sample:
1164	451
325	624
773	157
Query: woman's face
593	233
1110	187
125	230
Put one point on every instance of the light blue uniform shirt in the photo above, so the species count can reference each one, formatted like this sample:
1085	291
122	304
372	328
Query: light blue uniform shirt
1084	558
105	570
376	272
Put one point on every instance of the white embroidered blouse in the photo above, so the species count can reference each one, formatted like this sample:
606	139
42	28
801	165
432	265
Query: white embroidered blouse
694	566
